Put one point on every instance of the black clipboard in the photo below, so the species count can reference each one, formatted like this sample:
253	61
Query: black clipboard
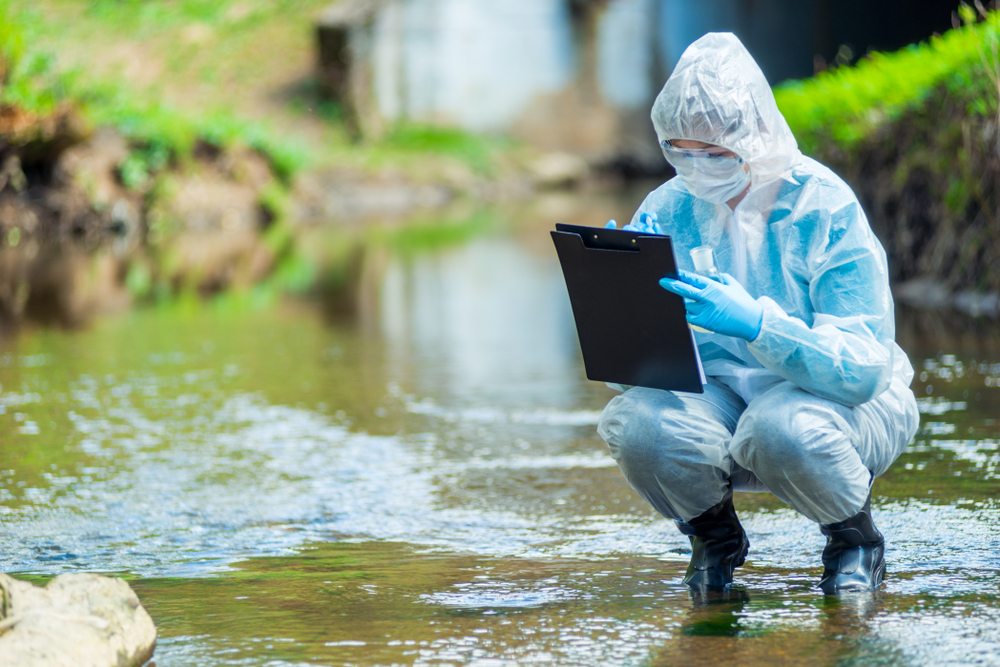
631	330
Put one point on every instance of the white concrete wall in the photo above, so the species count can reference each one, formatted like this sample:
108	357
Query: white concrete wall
480	63
477	63
625	53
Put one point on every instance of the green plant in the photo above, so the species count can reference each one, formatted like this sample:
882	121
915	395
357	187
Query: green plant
175	134
476	151
11	40
141	163
27	77
988	47
161	132
845	104
145	17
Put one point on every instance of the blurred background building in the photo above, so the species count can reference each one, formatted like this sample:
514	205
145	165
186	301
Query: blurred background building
580	75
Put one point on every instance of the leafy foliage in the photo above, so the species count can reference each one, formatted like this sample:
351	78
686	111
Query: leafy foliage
161	133
844	105
11	41
915	134
161	127
146	17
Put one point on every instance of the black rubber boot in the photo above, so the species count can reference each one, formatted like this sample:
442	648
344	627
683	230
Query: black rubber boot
718	546
854	557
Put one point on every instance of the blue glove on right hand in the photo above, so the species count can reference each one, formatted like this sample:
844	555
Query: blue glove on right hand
724	308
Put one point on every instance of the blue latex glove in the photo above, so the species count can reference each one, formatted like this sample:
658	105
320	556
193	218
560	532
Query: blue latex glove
645	223
724	308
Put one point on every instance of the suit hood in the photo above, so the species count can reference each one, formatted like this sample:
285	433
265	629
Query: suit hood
718	94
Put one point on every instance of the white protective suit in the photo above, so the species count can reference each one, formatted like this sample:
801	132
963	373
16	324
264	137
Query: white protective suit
819	403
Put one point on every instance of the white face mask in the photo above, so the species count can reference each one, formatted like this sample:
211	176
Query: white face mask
708	175
715	189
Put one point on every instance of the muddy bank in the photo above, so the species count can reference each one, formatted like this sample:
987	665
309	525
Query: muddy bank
80	234
92	222
930	183
56	244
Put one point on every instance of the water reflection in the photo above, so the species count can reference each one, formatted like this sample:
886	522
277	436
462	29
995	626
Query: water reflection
487	323
723	613
289	491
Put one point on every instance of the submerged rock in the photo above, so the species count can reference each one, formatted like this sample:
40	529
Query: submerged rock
934	294
77	620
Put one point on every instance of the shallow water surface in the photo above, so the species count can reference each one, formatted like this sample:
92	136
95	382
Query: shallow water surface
421	484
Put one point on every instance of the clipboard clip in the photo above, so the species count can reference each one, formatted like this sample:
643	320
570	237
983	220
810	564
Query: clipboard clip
599	238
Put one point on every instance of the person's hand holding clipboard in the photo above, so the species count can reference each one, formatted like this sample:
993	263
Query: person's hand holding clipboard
632	331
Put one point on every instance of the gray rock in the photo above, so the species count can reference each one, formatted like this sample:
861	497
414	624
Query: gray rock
77	620
931	293
924	293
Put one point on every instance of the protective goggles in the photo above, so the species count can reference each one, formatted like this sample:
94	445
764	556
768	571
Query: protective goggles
712	160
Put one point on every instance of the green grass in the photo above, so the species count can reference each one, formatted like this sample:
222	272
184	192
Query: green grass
476	151
144	17
164	132
11	40
161	133
24	74
844	105
171	72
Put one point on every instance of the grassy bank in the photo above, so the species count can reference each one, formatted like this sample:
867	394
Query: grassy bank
38	81
846	105
179	207
915	133
224	71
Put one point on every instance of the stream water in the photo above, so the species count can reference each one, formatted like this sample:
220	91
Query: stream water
421	484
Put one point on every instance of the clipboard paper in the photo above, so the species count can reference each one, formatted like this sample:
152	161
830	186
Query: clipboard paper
631	330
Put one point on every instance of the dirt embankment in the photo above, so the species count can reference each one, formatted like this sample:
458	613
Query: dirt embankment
930	183
75	241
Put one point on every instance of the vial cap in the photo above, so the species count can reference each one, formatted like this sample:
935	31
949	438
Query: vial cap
703	258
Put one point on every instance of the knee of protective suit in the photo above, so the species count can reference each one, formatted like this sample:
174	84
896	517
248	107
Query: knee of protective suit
628	424
671	450
649	427
803	453
794	435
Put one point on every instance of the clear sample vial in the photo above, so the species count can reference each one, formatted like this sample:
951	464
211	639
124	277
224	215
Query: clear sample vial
704	262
